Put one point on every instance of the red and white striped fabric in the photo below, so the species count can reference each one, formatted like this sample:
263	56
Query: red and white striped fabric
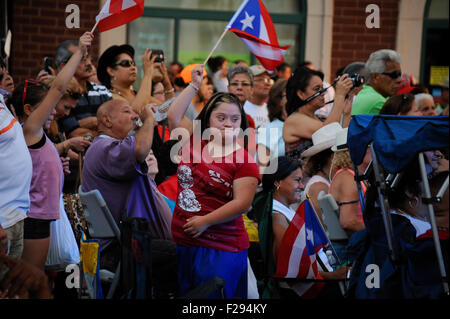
118	12
253	25
297	254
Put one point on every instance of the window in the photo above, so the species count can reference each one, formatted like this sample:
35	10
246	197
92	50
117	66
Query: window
187	30
434	61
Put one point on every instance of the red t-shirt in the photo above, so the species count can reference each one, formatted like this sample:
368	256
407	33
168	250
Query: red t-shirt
203	188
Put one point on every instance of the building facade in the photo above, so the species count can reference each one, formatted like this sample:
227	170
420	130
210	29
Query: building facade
329	33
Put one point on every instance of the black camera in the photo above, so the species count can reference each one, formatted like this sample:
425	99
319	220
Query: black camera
357	79
159	55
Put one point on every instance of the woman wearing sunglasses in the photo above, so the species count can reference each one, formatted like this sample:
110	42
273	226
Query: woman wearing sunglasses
35	107
118	72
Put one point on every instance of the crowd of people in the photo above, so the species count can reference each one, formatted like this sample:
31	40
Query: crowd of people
171	151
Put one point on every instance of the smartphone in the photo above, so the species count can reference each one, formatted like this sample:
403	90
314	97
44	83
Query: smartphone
48	63
159	55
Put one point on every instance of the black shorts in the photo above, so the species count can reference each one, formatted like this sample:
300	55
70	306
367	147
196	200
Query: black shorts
36	228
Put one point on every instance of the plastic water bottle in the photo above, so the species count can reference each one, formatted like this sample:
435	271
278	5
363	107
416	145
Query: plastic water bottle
331	259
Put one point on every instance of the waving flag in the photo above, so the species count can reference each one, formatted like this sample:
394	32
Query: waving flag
253	25
297	255
118	12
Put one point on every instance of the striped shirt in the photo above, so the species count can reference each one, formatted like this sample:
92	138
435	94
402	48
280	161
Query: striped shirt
87	106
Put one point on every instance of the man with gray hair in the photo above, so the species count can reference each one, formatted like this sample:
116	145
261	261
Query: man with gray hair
382	79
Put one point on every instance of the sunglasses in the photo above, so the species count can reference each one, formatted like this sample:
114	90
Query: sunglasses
126	63
393	75
27	83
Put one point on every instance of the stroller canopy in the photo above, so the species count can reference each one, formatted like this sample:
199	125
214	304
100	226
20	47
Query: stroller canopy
396	139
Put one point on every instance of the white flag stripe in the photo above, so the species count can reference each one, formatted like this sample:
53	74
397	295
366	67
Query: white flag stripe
296	254
128	4
263	31
311	274
104	12
263	50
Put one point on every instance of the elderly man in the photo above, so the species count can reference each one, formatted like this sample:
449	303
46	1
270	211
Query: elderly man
256	105
115	165
82	119
382	79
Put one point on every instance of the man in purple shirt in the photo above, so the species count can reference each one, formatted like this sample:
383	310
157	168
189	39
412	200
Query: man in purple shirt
115	165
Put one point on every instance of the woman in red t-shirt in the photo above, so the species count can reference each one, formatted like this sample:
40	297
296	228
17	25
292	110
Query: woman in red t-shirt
217	180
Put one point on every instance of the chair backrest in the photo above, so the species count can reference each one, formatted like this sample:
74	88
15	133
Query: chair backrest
100	222
330	216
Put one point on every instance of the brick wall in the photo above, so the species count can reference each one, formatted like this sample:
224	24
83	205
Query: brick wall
352	40
38	26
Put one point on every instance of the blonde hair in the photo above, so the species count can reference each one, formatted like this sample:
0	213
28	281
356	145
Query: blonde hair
341	160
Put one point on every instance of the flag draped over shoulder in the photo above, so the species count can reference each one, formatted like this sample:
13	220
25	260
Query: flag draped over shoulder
297	254
118	12
253	25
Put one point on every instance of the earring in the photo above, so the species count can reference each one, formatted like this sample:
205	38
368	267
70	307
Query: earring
278	187
413	202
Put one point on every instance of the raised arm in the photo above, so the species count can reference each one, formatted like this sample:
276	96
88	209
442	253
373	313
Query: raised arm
144	137
343	86
32	127
144	93
175	115
244	190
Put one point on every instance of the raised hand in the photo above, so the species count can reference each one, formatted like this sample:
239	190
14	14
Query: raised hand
197	75
85	42
344	85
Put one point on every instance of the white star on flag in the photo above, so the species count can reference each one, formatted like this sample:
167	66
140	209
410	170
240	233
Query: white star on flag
309	235
247	22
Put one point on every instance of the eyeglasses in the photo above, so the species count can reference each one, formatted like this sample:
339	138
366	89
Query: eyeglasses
265	80
243	84
24	94
126	63
393	75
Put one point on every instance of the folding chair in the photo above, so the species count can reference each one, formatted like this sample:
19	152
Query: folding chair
393	142
330	217
101	225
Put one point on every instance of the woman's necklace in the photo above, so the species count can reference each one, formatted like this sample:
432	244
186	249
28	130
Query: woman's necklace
114	90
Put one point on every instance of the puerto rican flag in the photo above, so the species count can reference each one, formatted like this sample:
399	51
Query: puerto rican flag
253	25
118	12
297	255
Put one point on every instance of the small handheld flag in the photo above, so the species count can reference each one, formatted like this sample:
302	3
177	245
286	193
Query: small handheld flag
118	12
253	25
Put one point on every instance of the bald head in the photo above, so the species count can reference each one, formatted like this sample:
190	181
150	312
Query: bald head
116	118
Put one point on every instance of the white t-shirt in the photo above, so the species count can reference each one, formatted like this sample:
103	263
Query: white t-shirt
15	170
271	136
221	84
259	113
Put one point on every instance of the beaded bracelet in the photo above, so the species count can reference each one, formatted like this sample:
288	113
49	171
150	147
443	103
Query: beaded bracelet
193	85
169	91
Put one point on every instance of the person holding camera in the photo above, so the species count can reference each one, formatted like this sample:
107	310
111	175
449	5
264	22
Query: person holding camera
118	72
305	95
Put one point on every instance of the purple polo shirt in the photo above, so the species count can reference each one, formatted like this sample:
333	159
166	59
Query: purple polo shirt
110	166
